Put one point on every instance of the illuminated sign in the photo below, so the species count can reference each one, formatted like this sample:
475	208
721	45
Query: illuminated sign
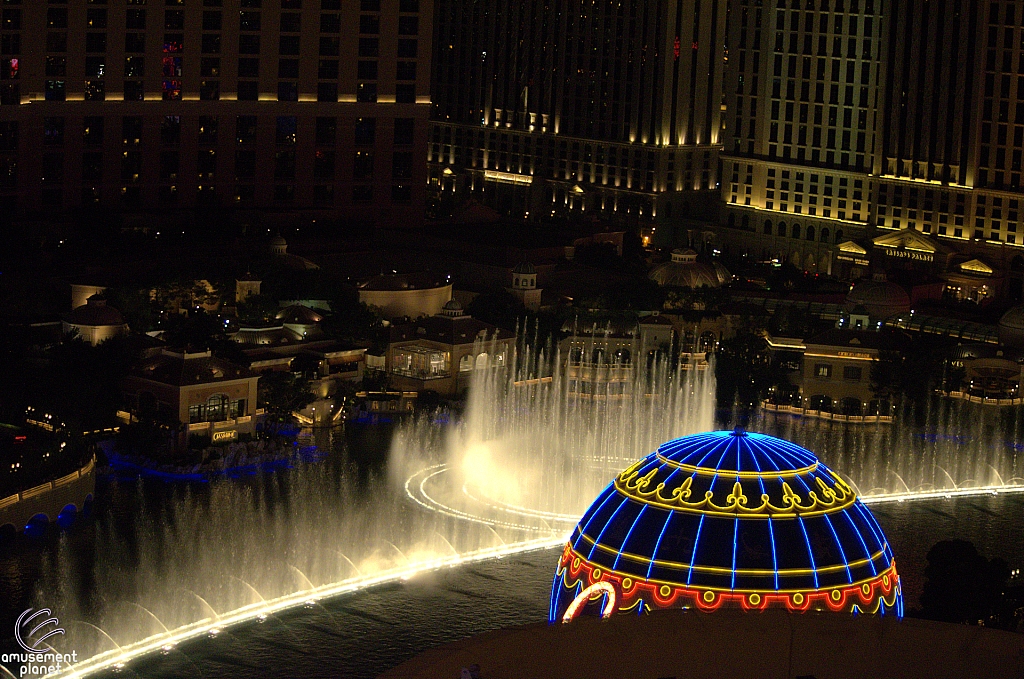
224	436
910	254
856	260
507	177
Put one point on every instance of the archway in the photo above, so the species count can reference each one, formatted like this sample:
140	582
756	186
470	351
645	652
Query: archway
596	590
481	360
768	227
67	516
824	235
821	403
36	526
466	363
810	233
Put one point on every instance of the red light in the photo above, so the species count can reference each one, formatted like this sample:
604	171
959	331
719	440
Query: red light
675	47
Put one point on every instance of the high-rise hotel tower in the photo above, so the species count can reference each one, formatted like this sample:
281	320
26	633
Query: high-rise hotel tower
159	105
600	107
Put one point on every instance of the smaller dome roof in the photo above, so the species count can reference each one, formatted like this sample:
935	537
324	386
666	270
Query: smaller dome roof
298	314
880	299
452	305
278	241
524	268
724	275
95	312
1011	327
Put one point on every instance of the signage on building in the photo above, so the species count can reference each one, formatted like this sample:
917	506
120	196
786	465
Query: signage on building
219	436
915	255
856	260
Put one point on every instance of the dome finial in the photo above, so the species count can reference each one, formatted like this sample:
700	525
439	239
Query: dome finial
739	431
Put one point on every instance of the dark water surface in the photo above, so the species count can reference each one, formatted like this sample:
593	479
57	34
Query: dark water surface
362	635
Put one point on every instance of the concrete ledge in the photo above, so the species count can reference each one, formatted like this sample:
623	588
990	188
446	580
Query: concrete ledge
729	645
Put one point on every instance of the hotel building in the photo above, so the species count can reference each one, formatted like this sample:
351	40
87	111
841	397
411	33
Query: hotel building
136	106
545	109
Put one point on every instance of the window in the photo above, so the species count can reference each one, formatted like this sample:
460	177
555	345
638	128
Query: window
287	91
405	94
366	92
362	194
288	68
245	129
404	128
330	47
284	164
406	26
328	69
208	130
409	5
285	130
288	44
852	373
134	67
209	90
327	92
92	166
401	165
369	24
248	21
96	17
248	44
95	42
245	164
822	370
94	90
211	21
134	90
248	68
367	70
57	17
170	130
330	23
323	164
369	5
56	66
134	42
209	67
326	131
174	43
407	48
55	90
362	168
55	42
401	194
323	194
11	43
92	131
94	67
53	131
369	47
211	43
248	90
290	22
366	129
406	70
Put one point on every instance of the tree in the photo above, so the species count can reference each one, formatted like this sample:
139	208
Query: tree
743	369
257	309
282	393
962	585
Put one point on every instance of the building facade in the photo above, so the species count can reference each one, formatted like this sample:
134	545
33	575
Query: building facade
848	119
545	110
317	105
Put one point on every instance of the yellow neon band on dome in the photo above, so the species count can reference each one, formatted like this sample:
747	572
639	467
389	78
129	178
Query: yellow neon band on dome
710	471
824	501
891	571
720	570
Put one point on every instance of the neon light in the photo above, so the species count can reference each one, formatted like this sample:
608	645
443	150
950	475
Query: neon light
769	479
584	597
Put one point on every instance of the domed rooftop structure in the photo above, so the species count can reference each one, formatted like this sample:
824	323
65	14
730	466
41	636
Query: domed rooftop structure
524	268
733	519
94	321
684	271
881	299
1011	327
452	309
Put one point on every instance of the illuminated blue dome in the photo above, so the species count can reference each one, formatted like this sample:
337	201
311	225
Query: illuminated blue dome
729	518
